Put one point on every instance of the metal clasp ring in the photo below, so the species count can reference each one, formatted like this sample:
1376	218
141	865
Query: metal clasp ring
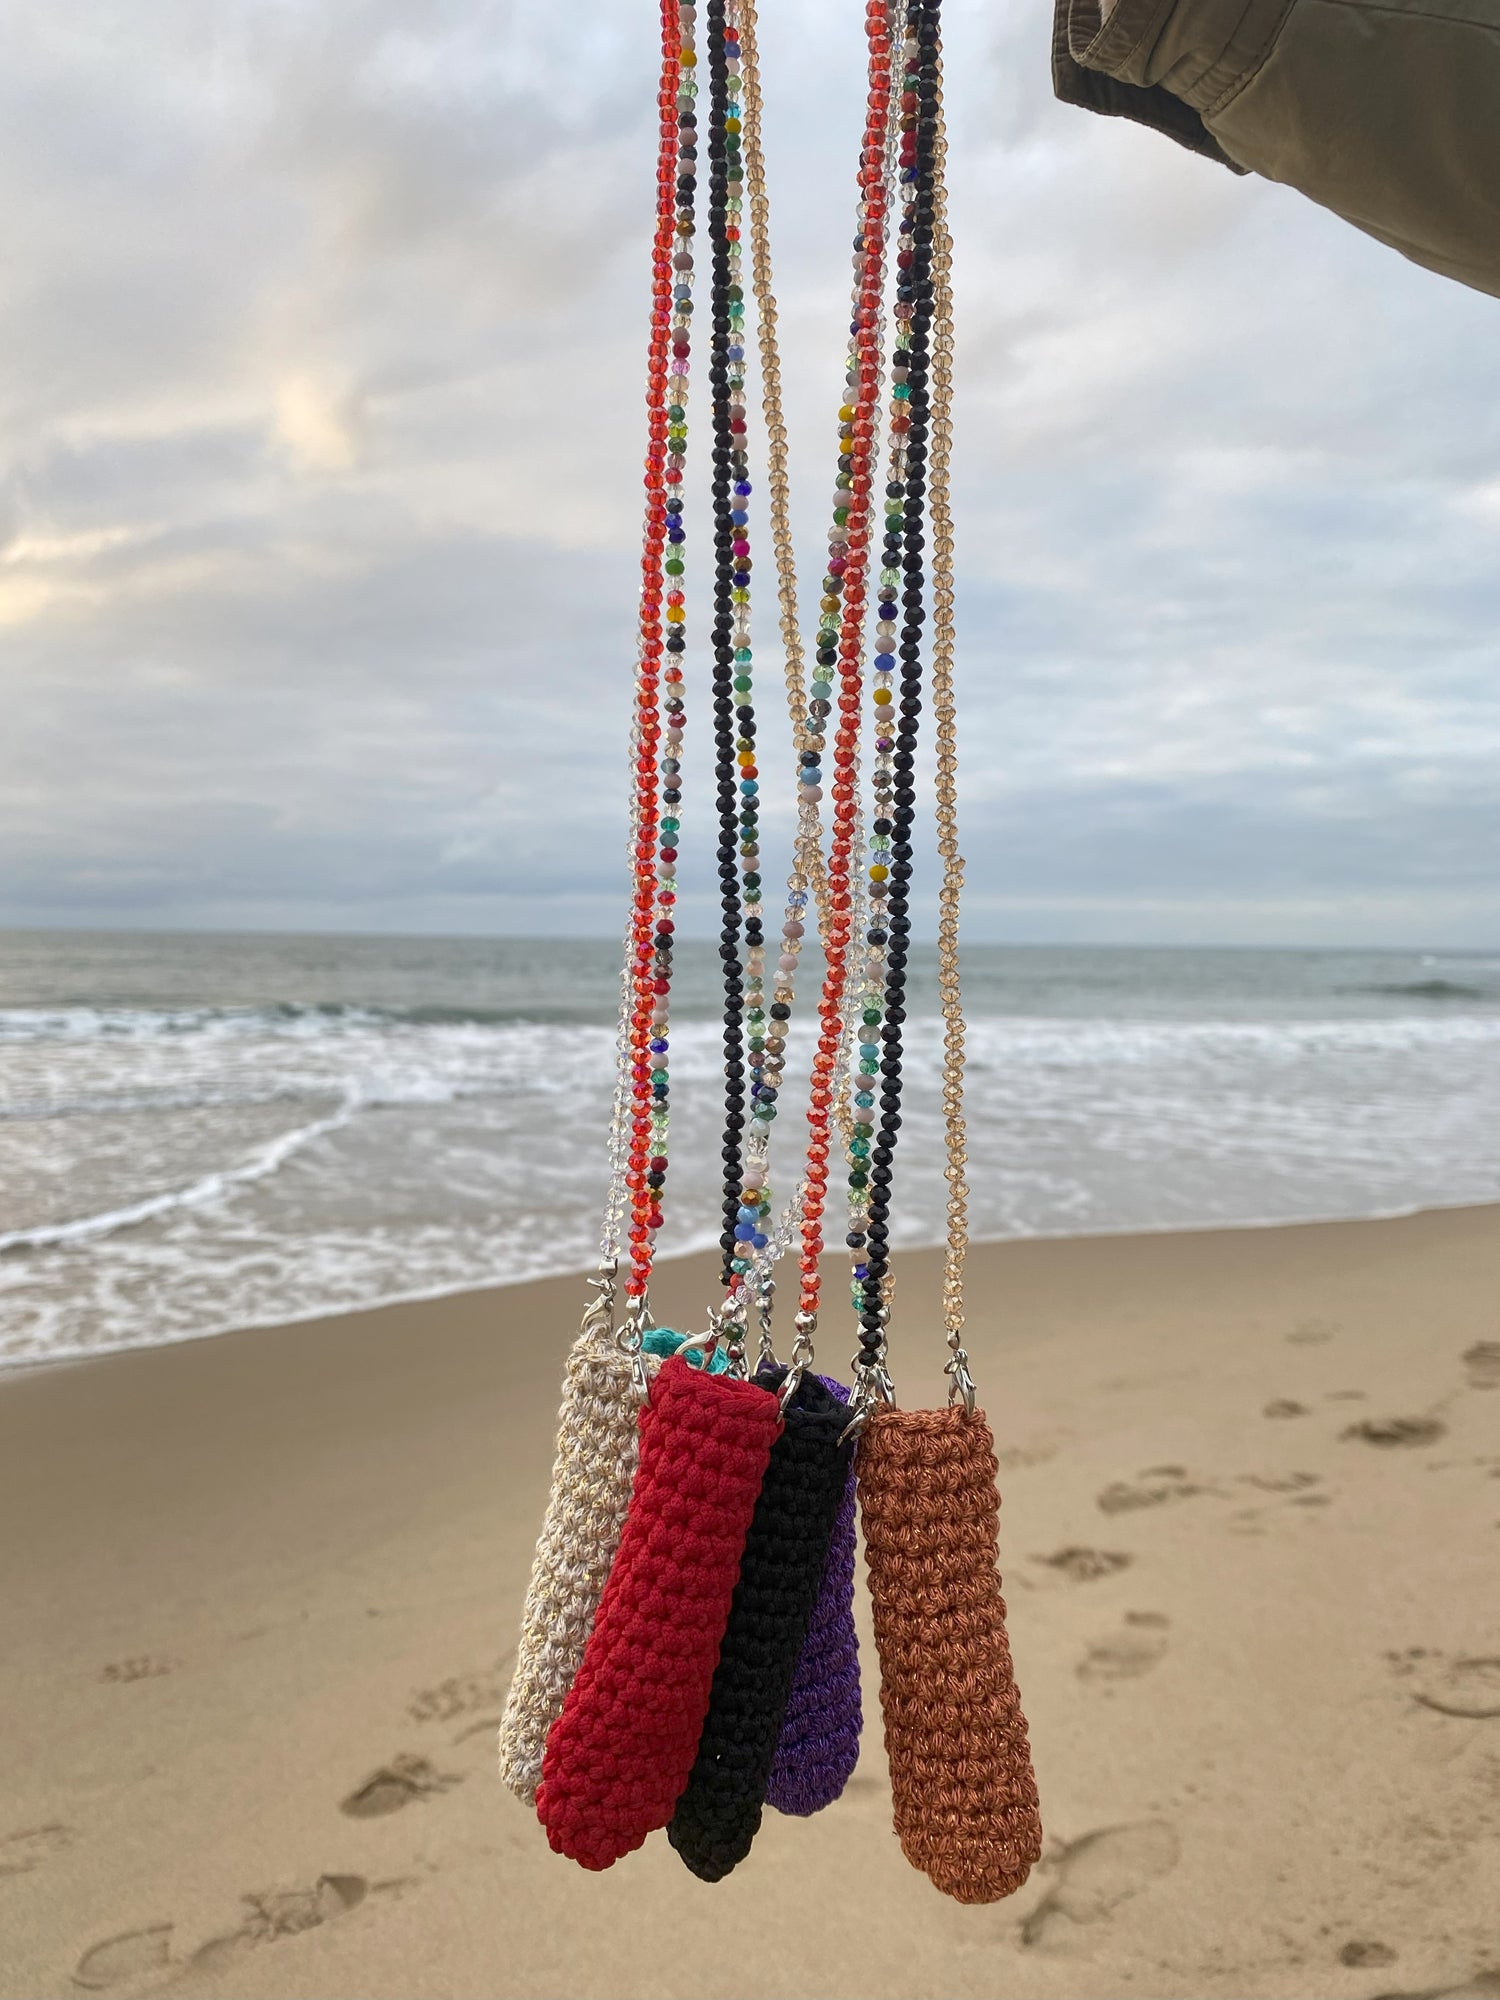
766	1353
802	1353
726	1323
872	1385
599	1313
629	1336
960	1381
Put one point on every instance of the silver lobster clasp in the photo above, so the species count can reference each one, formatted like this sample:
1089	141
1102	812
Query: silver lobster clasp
960	1381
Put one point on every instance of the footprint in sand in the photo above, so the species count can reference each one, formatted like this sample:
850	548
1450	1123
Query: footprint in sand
280	1913
1392	1433
1313	1332
1483	1985
1469	1688
1032	1451
1295	1487
1096	1874
1080	1565
1405	1663
1482	1364
146	1955
1283	1406
1366	1951
31	1846
119	1961
1158	1483
462	1694
1125	1656
145	1667
399	1783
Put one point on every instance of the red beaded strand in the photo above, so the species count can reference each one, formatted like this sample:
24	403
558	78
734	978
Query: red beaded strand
851	624
650	897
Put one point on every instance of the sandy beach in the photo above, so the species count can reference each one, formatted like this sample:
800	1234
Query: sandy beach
260	1594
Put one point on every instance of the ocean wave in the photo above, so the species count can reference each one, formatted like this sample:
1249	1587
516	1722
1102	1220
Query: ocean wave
1426	989
455	1151
267	1160
115	1103
23	1025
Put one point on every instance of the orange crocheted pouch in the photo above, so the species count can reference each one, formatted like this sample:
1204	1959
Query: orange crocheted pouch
965	1796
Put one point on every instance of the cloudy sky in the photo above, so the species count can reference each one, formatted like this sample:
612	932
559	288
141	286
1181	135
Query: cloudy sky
321	325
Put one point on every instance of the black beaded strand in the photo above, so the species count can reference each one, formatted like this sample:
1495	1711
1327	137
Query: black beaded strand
903	548
725	719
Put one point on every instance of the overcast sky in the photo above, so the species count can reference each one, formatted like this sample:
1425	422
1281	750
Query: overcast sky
321	334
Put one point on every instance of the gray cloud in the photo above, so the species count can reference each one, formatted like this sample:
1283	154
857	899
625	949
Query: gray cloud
320	408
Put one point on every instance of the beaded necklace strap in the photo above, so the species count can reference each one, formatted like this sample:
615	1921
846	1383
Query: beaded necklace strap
896	723
595	1457
955	1142
758	1240
843	610
734	719
963	1789
655	753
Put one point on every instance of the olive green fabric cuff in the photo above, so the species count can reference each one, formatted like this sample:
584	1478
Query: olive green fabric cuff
1162	63
1203	51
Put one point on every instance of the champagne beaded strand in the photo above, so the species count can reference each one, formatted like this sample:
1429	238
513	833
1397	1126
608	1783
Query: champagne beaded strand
946	733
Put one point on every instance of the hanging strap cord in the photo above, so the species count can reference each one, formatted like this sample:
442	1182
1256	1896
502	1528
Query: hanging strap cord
955	1171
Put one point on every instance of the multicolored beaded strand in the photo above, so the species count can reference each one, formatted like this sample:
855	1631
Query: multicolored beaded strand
658	753
734	711
760	1241
675	644
840	635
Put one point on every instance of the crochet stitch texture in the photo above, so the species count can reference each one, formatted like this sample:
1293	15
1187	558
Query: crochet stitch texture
719	1813
619	1755
965	1796
819	1743
591	1477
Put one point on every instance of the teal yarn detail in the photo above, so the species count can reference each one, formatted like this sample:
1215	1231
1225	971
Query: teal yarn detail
662	1341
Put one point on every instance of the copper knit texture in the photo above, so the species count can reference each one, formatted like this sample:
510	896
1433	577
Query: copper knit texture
961	1777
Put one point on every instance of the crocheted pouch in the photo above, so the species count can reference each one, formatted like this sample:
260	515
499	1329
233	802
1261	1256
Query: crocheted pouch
820	1729
619	1754
591	1477
597	1441
786	1549
965	1796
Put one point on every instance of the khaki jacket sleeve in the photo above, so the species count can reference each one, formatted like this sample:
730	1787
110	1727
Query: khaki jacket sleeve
1386	111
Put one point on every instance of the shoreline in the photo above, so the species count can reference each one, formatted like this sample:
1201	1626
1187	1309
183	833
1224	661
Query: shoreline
262	1597
834	1274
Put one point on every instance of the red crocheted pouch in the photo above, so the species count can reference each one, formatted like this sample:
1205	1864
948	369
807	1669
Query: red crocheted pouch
619	1755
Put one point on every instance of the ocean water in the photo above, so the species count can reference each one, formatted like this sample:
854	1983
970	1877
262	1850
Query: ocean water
204	1132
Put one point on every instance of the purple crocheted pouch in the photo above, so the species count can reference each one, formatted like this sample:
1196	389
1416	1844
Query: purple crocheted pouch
819	1743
